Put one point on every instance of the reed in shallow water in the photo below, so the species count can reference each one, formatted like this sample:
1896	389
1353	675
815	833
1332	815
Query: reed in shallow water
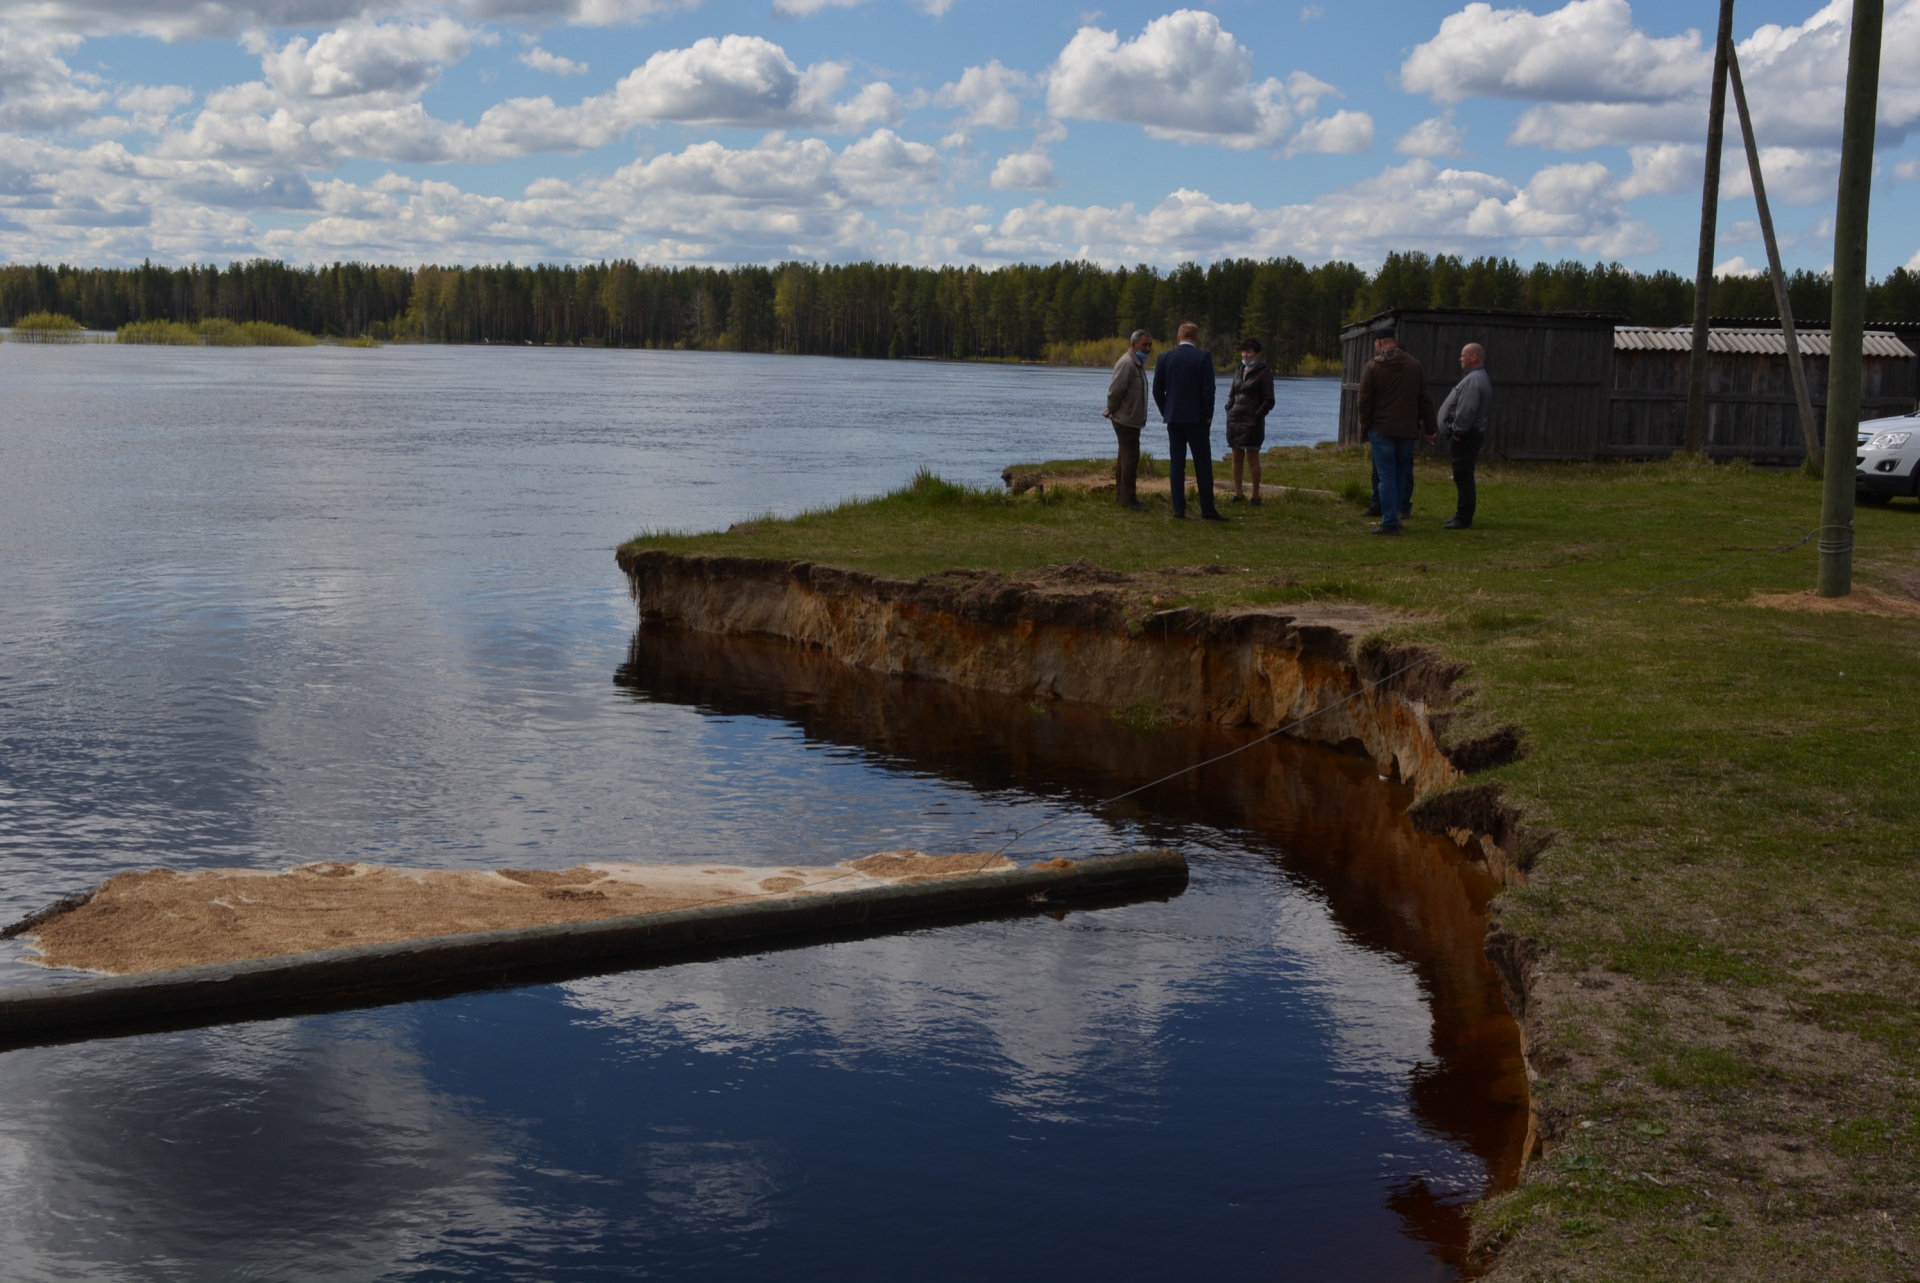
48	327
217	332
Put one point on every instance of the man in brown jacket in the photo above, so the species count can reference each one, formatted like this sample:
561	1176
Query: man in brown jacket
1127	408
1396	410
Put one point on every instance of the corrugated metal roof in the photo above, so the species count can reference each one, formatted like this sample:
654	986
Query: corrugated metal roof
1633	338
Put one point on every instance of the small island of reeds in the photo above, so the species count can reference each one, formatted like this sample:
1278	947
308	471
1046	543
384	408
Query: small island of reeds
214	332
48	327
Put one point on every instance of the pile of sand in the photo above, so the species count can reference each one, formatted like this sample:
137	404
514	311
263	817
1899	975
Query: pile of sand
162	919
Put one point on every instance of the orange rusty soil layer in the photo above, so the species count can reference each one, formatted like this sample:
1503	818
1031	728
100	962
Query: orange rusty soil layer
163	919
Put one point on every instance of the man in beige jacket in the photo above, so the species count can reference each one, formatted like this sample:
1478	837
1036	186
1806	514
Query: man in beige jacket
1127	408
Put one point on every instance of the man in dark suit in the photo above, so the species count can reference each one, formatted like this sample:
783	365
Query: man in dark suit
1183	389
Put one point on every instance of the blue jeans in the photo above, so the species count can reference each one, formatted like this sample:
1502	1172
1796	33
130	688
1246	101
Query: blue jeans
1373	499
1197	437
1393	468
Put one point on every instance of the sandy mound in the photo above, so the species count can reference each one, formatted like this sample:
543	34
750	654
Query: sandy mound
1861	601
162	919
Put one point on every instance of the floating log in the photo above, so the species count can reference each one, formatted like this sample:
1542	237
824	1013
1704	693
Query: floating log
373	974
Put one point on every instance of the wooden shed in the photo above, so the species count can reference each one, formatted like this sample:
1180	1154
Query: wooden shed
1751	412
1551	372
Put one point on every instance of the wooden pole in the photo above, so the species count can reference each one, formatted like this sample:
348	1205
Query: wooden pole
1795	367
371	974
1849	298
1709	212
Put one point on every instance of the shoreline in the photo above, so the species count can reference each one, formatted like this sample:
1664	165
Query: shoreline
1711	765
1075	635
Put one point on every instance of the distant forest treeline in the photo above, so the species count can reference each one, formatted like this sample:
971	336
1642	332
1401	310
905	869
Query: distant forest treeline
878	310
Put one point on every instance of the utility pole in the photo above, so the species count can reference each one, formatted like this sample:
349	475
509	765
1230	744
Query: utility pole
1709	213
1849	298
1795	367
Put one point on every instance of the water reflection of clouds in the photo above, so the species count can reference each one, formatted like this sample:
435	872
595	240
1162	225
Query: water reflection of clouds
1379	1026
302	606
1048	1008
270	1150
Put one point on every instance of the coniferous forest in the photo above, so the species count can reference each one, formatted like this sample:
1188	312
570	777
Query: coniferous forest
877	310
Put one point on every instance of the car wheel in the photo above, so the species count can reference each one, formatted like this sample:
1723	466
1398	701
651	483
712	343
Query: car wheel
1876	498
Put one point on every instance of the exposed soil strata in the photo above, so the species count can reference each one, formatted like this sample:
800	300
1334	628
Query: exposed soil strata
1088	634
1083	633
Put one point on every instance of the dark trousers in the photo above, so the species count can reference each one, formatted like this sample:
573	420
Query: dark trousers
1465	449
1126	468
1197	437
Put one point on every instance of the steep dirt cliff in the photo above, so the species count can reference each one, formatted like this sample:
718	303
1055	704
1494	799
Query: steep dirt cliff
1097	637
1093	636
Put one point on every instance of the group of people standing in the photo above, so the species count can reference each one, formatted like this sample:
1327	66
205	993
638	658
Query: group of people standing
1395	410
1184	388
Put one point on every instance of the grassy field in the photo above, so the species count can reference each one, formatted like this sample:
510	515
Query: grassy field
1727	1033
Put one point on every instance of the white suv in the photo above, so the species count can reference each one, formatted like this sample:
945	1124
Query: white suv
1888	462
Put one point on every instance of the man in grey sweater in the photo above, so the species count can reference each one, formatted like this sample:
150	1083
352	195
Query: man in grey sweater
1463	423
1127	409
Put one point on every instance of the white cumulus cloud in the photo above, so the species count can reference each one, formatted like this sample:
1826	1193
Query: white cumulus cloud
746	80
1183	78
191	19
1597	80
386	59
1024	171
988	97
1434	136
1664	168
1563	208
1588	51
1342	133
356	97
552	63
37	88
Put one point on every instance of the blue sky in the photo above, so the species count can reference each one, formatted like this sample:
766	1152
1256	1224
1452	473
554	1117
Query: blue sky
927	131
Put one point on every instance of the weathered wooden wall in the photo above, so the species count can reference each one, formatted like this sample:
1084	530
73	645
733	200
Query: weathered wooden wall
1750	405
1551	373
1562	391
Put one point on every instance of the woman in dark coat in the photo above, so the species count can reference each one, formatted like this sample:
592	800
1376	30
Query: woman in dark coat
1247	406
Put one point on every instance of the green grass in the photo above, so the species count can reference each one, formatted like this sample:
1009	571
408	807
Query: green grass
1730	908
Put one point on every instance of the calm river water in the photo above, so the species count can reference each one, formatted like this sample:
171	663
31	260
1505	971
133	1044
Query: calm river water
264	607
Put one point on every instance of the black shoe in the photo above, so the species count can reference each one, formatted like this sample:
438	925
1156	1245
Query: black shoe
1135	506
1211	516
1454	523
1372	512
1254	502
1179	516
1236	498
1385	528
1406	512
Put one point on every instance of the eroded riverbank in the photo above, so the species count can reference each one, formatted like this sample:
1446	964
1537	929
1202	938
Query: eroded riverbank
1075	644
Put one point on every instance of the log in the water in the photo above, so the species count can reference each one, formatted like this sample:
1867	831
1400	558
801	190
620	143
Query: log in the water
603	917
